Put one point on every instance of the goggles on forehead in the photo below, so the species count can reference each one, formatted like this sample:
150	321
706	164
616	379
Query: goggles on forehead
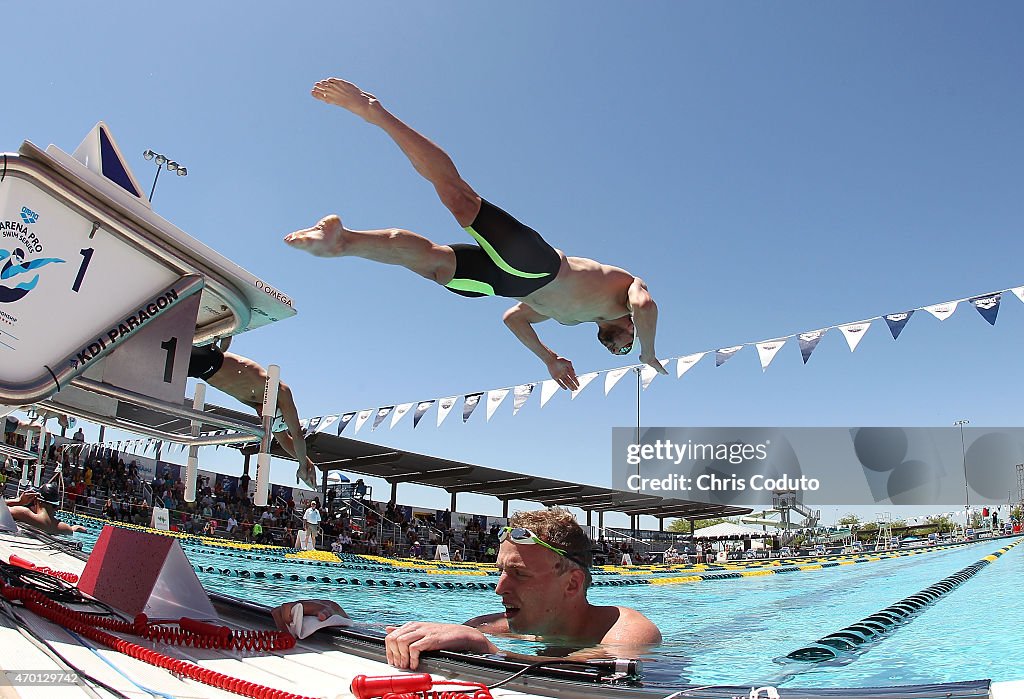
522	535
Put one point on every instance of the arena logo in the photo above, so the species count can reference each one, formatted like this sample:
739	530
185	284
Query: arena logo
28	215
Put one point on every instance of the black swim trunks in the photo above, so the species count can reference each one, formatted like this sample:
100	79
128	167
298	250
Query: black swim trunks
205	361
510	260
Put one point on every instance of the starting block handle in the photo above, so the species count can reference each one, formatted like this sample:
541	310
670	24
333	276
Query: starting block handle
192	464
263	458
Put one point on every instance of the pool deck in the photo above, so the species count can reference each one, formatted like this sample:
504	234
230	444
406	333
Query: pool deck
312	668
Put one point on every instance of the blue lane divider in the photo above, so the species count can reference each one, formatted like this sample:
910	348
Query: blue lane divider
872	628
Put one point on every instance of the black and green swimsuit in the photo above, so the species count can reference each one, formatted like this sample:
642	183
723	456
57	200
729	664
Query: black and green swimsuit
510	260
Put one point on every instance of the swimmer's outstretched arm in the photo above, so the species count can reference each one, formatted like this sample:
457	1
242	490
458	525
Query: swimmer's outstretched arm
292	441
645	320
520	320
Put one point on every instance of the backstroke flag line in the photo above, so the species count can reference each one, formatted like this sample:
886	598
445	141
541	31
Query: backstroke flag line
986	304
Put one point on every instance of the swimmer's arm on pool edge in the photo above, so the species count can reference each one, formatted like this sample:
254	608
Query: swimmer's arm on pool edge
405	643
520	320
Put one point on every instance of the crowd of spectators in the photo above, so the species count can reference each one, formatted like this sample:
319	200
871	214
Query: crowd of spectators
111	487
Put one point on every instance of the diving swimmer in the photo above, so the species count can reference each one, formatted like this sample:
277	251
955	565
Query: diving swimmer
245	380
510	259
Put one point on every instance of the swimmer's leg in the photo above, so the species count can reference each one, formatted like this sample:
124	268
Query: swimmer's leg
428	159
392	246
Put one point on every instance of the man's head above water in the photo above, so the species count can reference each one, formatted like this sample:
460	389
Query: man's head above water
544	561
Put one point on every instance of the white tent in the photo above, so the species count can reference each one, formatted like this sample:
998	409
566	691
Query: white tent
724	530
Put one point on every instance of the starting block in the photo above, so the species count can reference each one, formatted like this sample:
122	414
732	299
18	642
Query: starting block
79	241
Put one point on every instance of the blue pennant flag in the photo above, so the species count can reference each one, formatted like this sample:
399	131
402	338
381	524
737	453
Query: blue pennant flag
988	306
421	409
897	321
343	422
725	354
808	341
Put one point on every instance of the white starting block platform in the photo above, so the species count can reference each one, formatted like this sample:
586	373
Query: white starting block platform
101	299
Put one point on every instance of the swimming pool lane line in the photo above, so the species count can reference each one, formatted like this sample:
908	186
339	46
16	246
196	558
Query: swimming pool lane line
697	573
871	629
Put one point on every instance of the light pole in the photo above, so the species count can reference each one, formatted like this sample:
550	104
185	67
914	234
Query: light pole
963	451
163	161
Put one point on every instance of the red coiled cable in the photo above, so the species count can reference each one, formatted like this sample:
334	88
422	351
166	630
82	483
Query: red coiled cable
21	562
86	625
190	633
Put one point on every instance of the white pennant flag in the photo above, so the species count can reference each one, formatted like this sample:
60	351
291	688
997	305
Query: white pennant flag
1018	292
495	399
327	422
854	333
520	394
400	412
361	418
767	350
613	378
647	374
382	414
444	406
584	382
684	364
942	310
547	389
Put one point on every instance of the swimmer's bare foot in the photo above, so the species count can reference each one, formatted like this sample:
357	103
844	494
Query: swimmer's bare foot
325	239
344	94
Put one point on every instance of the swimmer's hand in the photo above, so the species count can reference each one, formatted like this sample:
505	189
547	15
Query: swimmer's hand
650	360
322	608
561	371
26	498
405	643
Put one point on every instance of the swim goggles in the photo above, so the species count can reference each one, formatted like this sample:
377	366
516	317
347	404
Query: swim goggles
522	535
625	350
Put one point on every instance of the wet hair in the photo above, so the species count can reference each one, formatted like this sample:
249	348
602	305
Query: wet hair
606	335
558	527
50	494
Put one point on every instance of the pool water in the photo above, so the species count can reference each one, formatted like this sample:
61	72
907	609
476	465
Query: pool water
732	631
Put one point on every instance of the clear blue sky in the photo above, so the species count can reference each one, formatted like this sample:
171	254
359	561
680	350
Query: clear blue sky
767	168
